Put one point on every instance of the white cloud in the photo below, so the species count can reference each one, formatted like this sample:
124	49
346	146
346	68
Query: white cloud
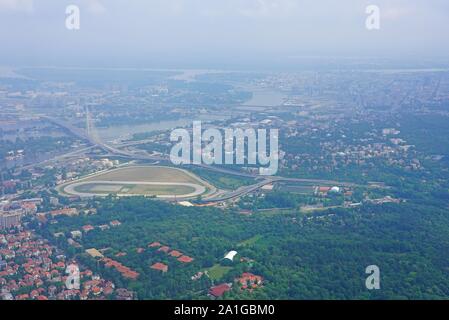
16	5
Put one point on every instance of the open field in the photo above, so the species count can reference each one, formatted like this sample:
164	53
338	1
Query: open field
297	188
218	271
223	181
146	174
104	187
251	241
162	182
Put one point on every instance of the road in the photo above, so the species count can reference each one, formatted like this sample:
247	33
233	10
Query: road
92	137
268	180
237	193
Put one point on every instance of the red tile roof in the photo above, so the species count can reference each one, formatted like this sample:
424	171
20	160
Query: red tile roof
250	280
154	244
219	290
164	249
185	259
125	271
160	267
66	211
175	253
88	228
121	254
324	189
130	274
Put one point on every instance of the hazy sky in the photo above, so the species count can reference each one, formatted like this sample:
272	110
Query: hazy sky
217	32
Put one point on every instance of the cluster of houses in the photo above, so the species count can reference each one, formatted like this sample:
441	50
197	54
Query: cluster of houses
82	166
128	273
78	234
11	212
125	271
33	269
69	212
247	281
325	190
173	253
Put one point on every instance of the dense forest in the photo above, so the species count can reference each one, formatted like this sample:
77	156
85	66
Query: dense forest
320	256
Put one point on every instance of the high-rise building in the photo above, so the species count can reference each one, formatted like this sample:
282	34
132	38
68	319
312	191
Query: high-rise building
3	264
10	219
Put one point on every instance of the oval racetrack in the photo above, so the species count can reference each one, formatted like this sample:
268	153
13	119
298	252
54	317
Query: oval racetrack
71	188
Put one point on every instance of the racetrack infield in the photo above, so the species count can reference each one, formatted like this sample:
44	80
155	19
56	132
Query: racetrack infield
158	181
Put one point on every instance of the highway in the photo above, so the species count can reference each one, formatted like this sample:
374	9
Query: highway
237	193
268	180
91	137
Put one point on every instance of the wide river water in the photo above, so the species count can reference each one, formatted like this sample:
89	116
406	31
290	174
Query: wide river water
121	132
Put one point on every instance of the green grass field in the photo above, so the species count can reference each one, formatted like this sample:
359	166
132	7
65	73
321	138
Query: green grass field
223	181
250	241
164	182
146	174
100	188
218	271
132	189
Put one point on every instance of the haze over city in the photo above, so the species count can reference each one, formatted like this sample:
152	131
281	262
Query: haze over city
224	154
214	33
